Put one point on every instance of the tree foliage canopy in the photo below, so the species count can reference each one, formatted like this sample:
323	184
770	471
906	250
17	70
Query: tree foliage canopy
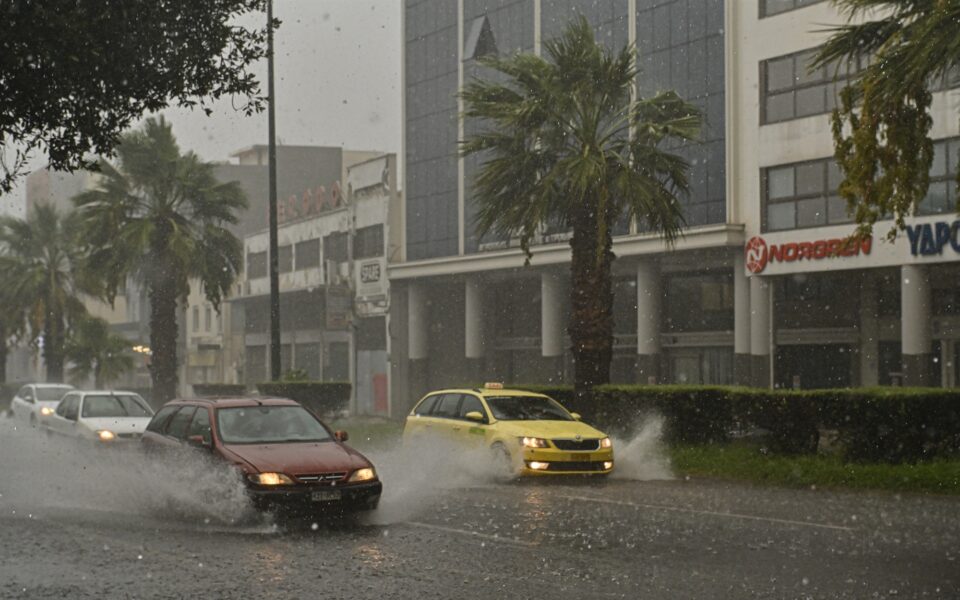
95	351
882	128
74	74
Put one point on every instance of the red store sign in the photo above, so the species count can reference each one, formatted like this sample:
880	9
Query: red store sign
759	254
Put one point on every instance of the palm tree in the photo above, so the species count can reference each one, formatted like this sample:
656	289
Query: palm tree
563	143
93	350
40	266
882	127
159	216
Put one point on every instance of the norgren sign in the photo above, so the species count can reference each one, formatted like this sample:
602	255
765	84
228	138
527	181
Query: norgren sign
759	254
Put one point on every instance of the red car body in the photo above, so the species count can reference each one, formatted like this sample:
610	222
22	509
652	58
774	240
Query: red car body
319	471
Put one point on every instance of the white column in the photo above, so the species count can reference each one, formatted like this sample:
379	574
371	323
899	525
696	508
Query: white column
417	321
741	306
648	308
915	310
551	315
473	334
759	316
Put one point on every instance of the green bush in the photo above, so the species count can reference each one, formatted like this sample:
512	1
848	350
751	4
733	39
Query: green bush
323	398
219	389
873	424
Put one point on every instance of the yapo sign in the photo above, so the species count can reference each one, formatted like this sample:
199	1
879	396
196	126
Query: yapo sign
932	239
759	253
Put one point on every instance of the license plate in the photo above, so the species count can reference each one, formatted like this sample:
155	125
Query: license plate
325	496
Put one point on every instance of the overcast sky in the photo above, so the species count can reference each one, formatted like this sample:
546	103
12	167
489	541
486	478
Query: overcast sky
338	84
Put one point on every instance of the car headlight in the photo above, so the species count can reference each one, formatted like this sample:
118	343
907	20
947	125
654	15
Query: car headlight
606	443
363	475
532	442
105	435
270	479
46	411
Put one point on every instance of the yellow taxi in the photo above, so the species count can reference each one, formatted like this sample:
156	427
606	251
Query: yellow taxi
528	433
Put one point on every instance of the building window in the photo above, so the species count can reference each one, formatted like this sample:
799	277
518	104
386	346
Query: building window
196	318
768	8
256	265
368	242
942	193
699	302
335	247
790	90
803	195
207	318
307	254
285	258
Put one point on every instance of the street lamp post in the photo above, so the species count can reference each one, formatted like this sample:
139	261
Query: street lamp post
272	168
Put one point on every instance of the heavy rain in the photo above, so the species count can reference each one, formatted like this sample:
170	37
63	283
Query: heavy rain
479	298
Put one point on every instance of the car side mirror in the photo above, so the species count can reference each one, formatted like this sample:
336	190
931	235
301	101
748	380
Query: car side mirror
576	416
474	415
197	441
341	436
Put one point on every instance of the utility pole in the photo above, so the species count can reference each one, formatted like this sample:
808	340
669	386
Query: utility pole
272	168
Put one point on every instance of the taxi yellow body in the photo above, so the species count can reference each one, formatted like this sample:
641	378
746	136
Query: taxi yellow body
531	433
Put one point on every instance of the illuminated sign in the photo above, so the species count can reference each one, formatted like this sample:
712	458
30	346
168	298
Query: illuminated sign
759	254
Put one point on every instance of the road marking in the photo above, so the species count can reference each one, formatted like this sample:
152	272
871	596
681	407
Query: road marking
485	536
710	513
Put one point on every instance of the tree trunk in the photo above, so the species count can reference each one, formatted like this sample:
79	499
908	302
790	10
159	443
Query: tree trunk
53	342
591	299
163	340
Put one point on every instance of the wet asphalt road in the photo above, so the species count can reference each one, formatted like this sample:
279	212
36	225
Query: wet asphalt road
609	539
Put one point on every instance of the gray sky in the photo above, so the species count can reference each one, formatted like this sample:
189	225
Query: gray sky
338	84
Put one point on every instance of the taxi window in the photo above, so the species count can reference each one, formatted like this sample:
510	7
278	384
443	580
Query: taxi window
426	406
447	407
471	404
178	424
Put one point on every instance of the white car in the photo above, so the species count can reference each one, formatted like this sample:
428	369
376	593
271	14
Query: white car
35	402
102	416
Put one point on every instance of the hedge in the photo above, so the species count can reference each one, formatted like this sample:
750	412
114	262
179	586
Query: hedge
324	398
872	424
219	389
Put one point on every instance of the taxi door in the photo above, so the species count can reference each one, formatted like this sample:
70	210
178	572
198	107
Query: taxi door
446	423
467	431
421	422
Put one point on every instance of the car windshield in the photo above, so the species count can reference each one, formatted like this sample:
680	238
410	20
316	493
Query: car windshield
527	408
121	405
52	394
269	425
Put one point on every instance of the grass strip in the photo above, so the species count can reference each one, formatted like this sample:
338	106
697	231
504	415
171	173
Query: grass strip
749	463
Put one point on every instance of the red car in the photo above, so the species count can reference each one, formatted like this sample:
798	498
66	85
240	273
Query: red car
289	458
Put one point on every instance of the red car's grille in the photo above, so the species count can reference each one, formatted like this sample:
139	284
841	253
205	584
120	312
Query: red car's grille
321	478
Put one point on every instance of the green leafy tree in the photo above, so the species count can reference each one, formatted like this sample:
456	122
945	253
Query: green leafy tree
41	266
881	129
159	216
77	73
94	351
563	143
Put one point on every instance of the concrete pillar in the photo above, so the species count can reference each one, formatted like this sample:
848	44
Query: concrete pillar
649	293
761	331
474	339
869	331
417	323
741	322
915	327
551	315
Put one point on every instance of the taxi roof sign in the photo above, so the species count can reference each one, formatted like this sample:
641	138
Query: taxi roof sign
493	385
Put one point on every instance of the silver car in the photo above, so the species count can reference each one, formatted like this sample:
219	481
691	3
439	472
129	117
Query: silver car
102	416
